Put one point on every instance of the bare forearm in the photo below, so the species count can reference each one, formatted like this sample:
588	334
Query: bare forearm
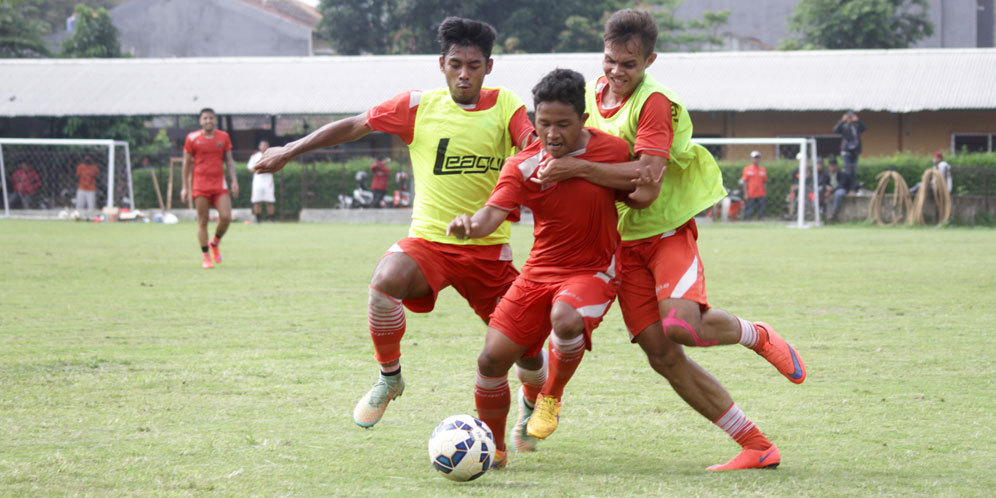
332	134
485	221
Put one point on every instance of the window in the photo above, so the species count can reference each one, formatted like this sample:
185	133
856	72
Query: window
826	146
972	142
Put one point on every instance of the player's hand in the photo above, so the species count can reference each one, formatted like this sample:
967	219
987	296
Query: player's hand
235	189
274	159
559	169
183	195
460	227
647	185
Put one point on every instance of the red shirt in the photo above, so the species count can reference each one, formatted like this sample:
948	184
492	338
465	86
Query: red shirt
209	158
755	177
654	130
574	227
26	181
380	173
87	173
397	116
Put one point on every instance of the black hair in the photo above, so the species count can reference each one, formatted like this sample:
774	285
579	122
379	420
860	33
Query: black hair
206	109
632	24
466	33
561	85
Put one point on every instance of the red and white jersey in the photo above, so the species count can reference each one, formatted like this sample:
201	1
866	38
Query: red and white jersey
209	158
574	221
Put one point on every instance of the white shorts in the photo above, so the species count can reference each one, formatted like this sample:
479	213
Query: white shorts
262	189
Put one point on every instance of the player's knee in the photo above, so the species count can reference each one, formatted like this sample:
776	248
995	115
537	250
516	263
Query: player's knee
566	321
491	365
666	360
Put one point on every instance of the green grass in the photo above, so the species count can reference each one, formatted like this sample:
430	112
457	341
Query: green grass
125	369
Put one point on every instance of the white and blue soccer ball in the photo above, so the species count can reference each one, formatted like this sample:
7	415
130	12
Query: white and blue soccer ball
462	448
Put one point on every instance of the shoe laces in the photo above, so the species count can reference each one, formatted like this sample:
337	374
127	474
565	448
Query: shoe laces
380	392
546	406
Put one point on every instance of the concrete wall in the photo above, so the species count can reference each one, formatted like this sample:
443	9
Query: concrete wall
206	28
919	132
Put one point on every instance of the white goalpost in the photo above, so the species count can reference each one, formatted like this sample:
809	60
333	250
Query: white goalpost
803	150
39	175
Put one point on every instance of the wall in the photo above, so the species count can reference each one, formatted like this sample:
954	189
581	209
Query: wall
206	28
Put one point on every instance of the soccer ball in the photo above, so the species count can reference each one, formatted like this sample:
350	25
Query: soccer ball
462	448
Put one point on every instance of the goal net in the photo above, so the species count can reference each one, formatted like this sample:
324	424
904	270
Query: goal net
790	165
39	176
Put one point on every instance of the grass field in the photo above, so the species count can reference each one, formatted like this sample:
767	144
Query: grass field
125	369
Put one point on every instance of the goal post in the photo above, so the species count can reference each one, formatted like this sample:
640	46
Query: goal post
800	151
48	181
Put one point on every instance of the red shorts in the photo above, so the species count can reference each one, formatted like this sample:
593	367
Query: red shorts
523	315
665	266
212	195
481	274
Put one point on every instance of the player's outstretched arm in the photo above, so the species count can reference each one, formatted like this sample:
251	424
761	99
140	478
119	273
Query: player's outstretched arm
485	221
332	134
230	162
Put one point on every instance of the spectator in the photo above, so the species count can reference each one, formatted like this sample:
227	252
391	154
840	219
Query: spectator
378	184
86	190
850	128
754	179
263	191
839	182
943	167
792	202
25	183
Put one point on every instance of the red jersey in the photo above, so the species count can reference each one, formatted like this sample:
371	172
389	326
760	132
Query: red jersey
755	177
654	130
87	173
397	116
380	172
574	227
209	159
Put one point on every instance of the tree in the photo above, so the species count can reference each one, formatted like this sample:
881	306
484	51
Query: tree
678	35
842	24
580	34
21	31
94	37
356	26
55	12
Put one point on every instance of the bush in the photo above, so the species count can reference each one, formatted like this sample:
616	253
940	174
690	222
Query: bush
322	183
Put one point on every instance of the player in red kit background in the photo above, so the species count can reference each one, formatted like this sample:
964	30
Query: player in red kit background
205	154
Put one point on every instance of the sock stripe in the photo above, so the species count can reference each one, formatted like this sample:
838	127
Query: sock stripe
569	350
490	387
748	333
734	422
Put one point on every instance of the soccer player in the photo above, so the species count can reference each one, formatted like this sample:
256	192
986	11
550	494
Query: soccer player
663	297
458	138
262	185
570	278
206	152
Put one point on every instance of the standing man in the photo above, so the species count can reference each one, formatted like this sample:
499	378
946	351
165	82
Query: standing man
262	185
24	183
206	152
458	138
754	179
570	278
663	297
850	129
378	183
86	190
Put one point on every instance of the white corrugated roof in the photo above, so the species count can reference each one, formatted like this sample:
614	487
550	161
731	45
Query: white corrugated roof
877	80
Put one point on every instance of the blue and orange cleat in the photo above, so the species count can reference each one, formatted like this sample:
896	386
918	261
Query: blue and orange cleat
752	459
500	460
216	252
780	354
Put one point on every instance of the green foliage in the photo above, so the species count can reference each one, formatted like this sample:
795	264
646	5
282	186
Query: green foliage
409	26
323	182
94	37
21	31
843	24
677	35
55	12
